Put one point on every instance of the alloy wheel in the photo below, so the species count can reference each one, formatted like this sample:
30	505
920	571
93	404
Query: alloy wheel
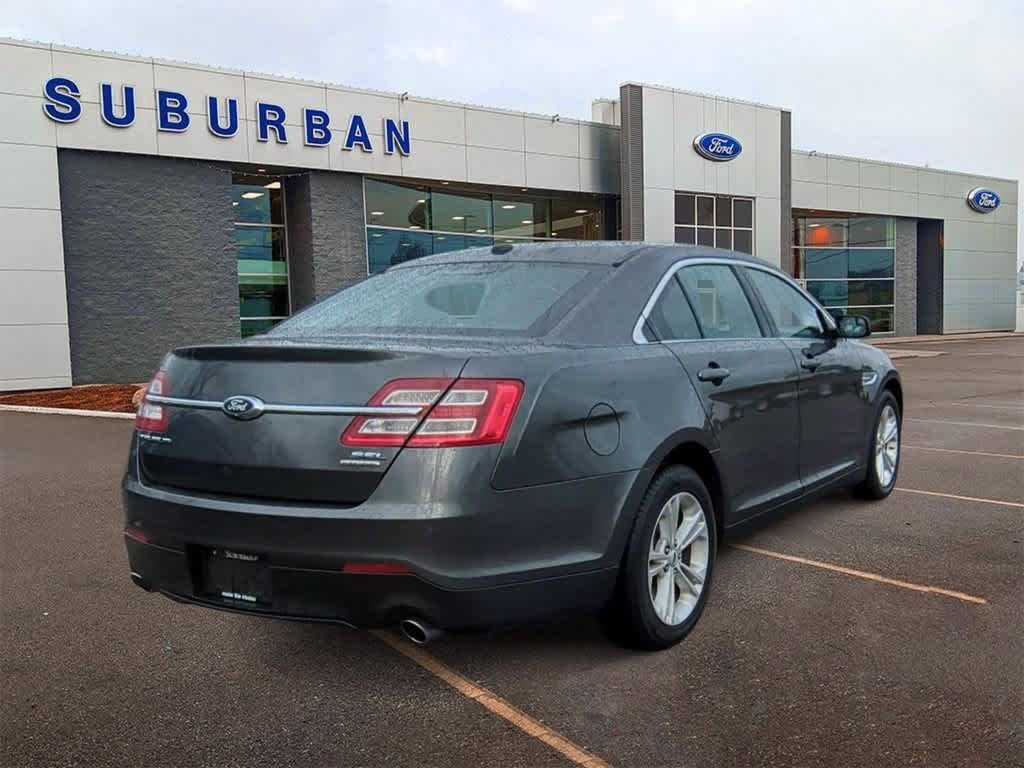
677	564
887	446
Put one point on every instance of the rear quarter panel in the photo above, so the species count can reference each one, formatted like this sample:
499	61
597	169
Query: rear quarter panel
591	412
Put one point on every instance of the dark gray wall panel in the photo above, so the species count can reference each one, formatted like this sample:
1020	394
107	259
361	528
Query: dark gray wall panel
906	277
930	272
326	234
300	240
786	192
339	230
631	153
149	260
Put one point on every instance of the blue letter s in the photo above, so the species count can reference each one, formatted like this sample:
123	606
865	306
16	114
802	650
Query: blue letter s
62	100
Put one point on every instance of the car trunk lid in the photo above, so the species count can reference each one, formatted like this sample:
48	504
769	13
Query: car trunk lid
265	420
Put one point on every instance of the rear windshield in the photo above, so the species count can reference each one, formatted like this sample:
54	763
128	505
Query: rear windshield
476	298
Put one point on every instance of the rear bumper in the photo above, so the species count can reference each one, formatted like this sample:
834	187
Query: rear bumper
509	557
379	600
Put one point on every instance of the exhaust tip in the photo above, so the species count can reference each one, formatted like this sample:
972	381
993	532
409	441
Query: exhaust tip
140	582
418	632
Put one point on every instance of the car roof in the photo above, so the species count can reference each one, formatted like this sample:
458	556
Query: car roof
606	253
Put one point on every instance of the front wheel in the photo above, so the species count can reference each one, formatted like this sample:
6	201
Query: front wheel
884	458
669	559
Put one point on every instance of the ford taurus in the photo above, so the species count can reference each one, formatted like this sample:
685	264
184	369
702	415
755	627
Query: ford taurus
504	435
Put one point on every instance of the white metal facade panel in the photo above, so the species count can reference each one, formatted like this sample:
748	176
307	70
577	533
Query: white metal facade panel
449	142
495	166
25	68
671	121
34	348
980	249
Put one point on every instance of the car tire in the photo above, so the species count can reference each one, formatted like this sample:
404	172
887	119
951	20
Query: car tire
637	615
883	463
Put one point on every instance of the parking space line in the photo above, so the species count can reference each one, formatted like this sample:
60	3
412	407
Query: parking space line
999	502
965	424
493	703
1016	456
1015	406
863	574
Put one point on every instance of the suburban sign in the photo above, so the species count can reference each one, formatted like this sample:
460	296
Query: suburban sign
63	105
717	146
983	200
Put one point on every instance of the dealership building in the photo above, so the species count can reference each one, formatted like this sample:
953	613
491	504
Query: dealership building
149	204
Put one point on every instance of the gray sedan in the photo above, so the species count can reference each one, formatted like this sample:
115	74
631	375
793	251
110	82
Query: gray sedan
504	435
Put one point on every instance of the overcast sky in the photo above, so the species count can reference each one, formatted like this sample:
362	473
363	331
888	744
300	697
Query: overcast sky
939	82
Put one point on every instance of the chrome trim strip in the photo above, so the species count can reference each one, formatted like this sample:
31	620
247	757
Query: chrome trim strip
638	335
295	408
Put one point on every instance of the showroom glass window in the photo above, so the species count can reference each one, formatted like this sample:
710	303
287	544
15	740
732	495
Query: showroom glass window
405	221
718	221
257	203
847	264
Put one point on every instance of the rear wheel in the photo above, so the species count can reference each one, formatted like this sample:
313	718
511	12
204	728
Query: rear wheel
669	559
884	458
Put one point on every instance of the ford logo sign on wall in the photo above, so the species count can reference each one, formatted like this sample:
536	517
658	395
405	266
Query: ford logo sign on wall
983	200
243	407
717	146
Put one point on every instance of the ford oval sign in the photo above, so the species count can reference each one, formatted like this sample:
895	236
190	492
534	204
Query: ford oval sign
717	146
983	200
243	407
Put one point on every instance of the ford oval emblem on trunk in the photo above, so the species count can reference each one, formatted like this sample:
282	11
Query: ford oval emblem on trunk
243	407
717	146
983	200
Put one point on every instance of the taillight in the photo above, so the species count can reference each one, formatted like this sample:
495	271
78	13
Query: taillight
152	417
394	430
466	412
136	535
472	412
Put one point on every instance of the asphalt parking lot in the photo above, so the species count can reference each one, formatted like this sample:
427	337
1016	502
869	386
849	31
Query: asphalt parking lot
824	642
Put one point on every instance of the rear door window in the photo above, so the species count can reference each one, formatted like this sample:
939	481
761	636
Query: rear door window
722	307
671	318
476	298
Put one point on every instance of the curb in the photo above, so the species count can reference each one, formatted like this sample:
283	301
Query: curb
900	354
66	411
944	338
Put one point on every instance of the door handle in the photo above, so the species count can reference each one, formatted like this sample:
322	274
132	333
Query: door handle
714	374
810	364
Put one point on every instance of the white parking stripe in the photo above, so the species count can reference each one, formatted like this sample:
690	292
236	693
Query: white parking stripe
971	453
864	574
494	703
965	424
999	502
986	405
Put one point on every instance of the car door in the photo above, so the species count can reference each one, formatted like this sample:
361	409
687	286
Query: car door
746	381
831	393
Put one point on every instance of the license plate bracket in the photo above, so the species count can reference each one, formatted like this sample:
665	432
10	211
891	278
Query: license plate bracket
233	576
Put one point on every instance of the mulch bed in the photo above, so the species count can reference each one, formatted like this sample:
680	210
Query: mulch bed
93	397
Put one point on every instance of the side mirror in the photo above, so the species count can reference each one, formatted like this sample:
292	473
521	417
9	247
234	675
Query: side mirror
853	326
